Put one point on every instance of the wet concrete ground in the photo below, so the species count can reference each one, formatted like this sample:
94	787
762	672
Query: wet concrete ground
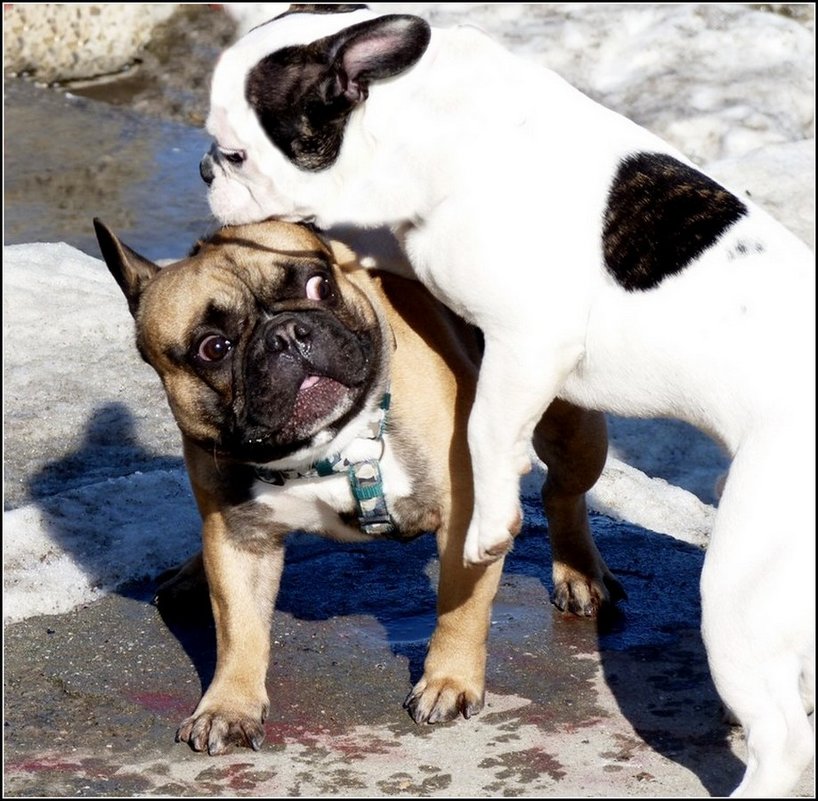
92	698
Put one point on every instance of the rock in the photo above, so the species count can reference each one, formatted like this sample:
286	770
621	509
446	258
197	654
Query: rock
66	41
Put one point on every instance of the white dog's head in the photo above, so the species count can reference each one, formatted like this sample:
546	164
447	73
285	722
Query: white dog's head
281	101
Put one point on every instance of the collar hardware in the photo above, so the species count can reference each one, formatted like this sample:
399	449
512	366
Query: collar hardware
364	476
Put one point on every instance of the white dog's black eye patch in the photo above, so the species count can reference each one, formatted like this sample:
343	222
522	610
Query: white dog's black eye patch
294	97
304	94
662	214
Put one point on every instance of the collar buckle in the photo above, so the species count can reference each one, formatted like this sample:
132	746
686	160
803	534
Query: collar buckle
366	483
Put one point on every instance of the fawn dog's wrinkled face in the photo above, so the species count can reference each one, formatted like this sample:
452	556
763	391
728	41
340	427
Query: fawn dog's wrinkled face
265	348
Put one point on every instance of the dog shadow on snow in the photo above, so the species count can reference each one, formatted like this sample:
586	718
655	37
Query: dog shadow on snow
650	650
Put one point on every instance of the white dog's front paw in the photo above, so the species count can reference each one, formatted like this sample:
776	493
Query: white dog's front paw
486	544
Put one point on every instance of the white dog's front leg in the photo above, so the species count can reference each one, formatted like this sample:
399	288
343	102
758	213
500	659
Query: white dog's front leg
515	387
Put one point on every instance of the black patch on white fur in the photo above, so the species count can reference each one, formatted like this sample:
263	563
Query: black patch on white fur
304	94
661	215
286	91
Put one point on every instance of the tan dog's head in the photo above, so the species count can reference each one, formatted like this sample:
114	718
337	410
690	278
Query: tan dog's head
267	348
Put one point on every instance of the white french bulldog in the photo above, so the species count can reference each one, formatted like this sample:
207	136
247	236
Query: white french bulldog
601	266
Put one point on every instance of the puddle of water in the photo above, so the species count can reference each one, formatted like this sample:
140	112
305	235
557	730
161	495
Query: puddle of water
409	629
68	160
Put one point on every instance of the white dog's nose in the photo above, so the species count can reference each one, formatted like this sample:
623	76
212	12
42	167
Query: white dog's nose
206	168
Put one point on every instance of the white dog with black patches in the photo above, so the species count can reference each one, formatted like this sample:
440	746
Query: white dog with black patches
602	267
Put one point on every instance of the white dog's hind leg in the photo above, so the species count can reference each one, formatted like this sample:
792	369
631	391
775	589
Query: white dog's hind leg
514	388
758	605
778	743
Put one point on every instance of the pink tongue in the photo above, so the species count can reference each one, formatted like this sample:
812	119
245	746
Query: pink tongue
309	381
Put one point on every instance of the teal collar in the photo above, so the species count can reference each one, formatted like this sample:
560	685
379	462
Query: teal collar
364	478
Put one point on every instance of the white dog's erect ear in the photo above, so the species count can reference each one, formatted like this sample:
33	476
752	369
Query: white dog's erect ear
131	271
372	51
